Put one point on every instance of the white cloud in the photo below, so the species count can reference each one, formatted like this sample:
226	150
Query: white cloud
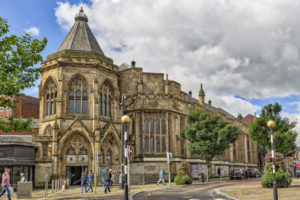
34	31
245	48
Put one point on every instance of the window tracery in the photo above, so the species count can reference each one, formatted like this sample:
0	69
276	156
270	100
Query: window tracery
105	100
51	95
78	96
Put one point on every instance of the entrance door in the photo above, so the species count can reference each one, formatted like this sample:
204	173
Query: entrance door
74	174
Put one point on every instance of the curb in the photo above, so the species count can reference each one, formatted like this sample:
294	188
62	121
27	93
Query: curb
131	197
218	192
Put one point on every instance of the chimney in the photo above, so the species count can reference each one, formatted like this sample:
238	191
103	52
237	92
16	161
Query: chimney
240	116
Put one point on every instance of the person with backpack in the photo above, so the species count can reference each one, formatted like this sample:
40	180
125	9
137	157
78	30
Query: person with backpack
107	179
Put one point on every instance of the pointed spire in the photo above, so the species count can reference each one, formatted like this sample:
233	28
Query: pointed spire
201	95
80	37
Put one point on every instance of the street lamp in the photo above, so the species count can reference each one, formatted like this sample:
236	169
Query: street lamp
125	120
271	125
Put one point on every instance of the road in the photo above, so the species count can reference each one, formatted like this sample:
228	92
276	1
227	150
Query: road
192	192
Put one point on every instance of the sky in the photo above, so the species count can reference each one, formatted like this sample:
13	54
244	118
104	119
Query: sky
246	53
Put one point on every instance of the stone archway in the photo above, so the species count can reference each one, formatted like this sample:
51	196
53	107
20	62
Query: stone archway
110	148
75	156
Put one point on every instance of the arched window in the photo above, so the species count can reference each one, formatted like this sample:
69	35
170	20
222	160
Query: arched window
78	96
141	135
48	131
105	100
51	95
100	104
108	157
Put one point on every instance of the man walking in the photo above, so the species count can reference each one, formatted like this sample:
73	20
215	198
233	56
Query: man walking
6	183
161	177
107	178
90	180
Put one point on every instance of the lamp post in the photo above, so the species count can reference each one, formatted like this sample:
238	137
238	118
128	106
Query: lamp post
125	120
123	97
271	125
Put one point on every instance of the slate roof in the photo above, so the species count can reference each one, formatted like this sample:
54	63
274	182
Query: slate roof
80	37
212	108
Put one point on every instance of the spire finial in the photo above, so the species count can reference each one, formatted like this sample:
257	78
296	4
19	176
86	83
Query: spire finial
81	15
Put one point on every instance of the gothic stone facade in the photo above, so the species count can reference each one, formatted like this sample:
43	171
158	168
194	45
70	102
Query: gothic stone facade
80	116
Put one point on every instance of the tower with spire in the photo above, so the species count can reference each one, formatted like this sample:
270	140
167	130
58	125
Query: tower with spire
201	95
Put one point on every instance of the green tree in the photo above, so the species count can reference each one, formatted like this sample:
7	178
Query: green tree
18	55
209	135
284	135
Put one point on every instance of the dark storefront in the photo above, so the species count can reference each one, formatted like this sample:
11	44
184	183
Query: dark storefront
17	152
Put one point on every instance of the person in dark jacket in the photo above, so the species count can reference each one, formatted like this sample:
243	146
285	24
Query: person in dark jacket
107	179
83	180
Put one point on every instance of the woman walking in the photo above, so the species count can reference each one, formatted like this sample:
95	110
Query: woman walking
6	183
83	182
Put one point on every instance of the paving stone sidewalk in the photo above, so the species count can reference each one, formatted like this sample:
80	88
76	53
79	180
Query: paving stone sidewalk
255	191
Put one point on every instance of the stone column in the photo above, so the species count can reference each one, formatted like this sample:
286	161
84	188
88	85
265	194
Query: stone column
54	148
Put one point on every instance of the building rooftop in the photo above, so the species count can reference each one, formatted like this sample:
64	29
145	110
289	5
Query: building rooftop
80	37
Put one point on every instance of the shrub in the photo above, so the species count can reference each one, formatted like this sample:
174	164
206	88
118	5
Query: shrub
183	176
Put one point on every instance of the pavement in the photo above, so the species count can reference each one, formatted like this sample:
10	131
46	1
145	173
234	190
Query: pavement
255	191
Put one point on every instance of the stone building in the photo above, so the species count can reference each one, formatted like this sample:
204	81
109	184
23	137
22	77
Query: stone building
80	116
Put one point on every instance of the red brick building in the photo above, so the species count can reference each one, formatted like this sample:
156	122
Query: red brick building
27	107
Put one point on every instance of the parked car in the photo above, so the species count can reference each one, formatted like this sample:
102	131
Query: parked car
253	173
237	174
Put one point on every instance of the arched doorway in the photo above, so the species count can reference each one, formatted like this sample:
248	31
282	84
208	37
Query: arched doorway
76	158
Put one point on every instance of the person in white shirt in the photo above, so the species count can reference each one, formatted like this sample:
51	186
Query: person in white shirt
23	179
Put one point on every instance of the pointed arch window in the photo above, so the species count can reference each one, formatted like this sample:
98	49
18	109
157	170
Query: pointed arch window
158	127
105	100
163	127
146	126
152	127
50	100
78	96
108	157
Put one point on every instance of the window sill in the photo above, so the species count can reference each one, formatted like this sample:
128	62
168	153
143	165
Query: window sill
49	118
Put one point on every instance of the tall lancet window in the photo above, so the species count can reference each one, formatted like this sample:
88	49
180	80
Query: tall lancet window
105	100
78	96
51	95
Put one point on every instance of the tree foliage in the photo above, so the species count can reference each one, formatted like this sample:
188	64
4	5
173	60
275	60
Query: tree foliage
18	55
208	134
284	135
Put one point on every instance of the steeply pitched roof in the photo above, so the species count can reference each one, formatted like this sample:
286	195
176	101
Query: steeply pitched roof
80	37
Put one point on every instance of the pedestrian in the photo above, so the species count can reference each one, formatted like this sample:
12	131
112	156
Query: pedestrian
83	180
161	177
107	178
219	171
23	179
6	183
112	177
90	179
